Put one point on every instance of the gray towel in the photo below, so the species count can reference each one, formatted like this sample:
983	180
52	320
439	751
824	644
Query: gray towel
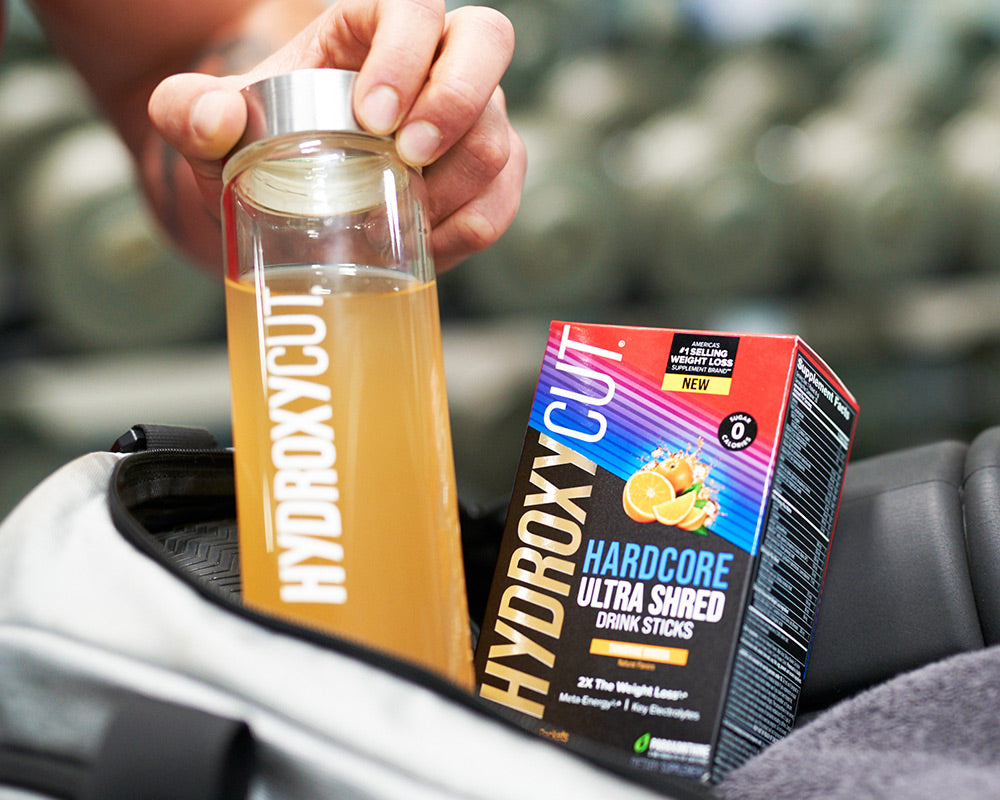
928	734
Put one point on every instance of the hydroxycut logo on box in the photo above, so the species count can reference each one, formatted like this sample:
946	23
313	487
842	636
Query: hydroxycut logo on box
666	542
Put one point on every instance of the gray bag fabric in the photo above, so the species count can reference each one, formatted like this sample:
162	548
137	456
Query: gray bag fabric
102	608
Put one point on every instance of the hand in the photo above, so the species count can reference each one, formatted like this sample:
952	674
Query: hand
429	77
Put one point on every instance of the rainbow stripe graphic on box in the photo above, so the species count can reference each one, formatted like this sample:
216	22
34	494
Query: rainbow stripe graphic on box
640	418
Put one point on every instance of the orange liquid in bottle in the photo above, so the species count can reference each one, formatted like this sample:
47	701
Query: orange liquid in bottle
344	473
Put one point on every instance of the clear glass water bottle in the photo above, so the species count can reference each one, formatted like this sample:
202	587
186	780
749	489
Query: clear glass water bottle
345	481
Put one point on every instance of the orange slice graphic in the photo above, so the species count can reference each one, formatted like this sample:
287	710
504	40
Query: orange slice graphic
675	510
645	490
694	520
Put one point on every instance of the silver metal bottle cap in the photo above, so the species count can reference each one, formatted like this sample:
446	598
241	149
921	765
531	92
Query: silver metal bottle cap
300	101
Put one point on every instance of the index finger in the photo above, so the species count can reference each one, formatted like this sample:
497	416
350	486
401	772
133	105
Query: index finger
399	39
476	47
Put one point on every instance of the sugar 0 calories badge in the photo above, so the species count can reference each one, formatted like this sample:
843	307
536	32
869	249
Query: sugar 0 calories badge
631	538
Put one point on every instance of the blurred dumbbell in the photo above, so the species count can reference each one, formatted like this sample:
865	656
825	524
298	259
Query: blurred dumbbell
711	224
38	100
609	90
970	160
545	31
564	250
101	273
660	25
875	204
23	37
751	89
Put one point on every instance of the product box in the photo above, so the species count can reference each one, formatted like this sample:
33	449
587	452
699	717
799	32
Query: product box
666	543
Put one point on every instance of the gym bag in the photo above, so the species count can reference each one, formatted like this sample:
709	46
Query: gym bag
130	669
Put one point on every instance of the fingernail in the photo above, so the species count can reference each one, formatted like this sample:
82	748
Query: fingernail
380	109
418	142
207	114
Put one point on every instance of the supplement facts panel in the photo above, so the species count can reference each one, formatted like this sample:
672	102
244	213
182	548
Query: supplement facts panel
807	479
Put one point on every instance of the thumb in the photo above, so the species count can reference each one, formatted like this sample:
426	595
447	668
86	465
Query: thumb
200	116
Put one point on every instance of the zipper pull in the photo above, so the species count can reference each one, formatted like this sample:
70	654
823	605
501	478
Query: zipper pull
164	437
